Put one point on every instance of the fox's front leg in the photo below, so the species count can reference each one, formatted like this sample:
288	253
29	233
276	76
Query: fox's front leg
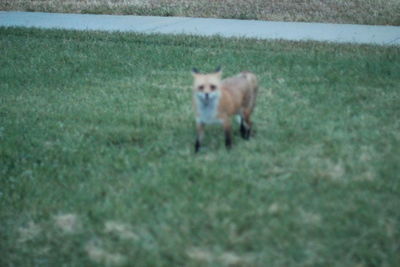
199	136
228	133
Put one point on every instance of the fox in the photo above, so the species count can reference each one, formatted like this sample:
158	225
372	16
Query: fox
216	101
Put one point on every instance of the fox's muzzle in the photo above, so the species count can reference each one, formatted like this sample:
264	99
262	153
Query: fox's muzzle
206	97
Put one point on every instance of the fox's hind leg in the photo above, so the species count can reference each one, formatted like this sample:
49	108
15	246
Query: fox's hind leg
199	136
246	124
243	130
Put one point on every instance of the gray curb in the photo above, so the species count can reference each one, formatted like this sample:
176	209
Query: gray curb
293	31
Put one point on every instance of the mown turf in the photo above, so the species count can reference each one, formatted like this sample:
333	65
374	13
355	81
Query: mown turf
97	163
373	12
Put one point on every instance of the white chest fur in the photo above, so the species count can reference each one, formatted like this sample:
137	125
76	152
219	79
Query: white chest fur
207	110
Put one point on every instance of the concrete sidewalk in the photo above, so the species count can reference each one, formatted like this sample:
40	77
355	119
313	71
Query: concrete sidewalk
294	31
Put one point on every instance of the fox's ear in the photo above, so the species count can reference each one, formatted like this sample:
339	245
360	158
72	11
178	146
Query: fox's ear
195	71
218	71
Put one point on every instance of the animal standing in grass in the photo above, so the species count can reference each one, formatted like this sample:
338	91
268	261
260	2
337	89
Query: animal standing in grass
216	101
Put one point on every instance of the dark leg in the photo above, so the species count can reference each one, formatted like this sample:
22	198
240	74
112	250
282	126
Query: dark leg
247	135
197	146
228	139
243	130
199	137
228	133
246	124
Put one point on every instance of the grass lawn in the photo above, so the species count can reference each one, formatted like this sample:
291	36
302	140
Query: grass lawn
97	163
333	11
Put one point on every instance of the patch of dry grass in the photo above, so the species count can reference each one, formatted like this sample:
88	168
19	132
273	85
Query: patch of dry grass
67	223
225	258
121	230
29	232
99	255
380	12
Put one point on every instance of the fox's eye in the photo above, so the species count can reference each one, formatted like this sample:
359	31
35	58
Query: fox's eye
201	87
213	87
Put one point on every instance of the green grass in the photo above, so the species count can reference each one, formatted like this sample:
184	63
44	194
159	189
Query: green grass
380	12
97	163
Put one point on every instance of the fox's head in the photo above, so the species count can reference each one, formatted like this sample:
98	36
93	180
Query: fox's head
206	87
